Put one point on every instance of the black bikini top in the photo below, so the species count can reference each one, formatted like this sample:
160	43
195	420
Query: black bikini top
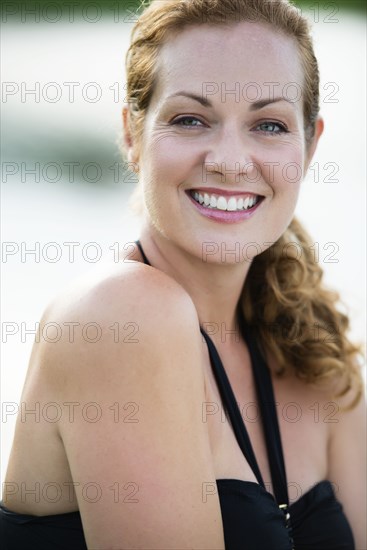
252	518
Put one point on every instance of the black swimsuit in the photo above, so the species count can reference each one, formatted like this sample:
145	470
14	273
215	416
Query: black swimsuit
252	518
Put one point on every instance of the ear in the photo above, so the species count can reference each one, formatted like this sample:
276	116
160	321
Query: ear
127	136
319	128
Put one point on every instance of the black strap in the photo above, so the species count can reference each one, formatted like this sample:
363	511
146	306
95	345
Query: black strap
265	395
231	408
146	261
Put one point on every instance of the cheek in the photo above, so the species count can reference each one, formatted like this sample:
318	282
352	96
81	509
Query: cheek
163	169
283	171
167	160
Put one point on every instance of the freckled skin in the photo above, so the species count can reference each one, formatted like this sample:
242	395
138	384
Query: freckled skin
227	135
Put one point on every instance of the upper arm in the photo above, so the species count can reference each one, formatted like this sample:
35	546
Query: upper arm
138	451
347	467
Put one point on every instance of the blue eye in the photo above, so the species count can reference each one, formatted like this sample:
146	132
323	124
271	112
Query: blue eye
185	119
269	127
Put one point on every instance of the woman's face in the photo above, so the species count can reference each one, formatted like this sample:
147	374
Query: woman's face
240	138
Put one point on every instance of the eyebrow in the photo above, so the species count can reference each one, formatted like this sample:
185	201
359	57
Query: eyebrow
201	99
255	106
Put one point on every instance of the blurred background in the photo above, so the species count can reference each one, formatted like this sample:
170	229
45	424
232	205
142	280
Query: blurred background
64	185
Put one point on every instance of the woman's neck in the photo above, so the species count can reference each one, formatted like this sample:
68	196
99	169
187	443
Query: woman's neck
214	287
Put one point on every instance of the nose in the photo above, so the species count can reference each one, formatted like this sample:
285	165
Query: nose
230	155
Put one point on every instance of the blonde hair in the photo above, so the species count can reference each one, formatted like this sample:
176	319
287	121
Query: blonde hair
283	295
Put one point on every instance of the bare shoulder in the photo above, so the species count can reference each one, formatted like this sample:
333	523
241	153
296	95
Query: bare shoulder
349	426
347	462
350	419
111	312
141	443
129	286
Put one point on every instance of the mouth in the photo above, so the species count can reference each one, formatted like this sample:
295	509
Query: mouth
238	202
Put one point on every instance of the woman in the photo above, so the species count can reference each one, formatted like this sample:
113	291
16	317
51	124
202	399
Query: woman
217	409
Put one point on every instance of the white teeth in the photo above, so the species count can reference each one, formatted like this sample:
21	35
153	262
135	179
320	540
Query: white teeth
221	203
232	204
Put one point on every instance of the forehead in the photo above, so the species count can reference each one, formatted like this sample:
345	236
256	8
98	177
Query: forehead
237	54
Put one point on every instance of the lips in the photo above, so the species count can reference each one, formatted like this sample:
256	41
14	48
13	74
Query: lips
226	209
229	201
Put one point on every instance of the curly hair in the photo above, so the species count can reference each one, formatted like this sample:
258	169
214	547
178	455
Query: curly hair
296	317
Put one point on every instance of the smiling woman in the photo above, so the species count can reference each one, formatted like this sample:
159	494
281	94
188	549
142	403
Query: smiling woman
221	125
228	138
